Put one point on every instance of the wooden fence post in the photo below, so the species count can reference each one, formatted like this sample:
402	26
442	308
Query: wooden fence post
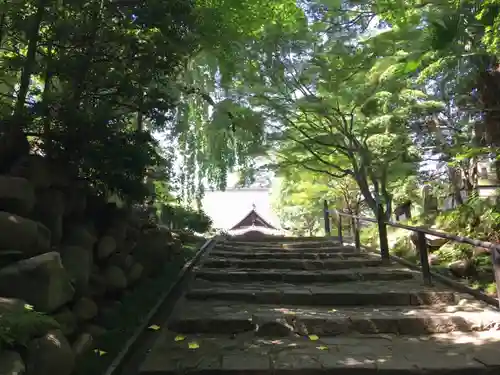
326	215
495	258
341	240
423	251
355	233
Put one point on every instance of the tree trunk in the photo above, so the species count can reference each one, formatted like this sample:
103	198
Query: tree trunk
455	181
13	142
47	138
362	181
386	195
24	82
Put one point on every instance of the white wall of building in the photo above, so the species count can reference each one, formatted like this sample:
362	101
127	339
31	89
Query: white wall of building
227	208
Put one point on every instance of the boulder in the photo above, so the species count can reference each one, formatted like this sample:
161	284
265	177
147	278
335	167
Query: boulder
176	246
115	278
134	273
91	228
480	251
17	195
108	314
49	210
124	261
55	225
18	233
118	230
105	247
11	305
67	320
79	235
82	344
94	330
96	270
75	200
50	355
50	202
462	268
133	233
85	309
434	259
35	169
434	241
41	281
60	177
128	246
11	363
97	286
10	256
153	250
78	262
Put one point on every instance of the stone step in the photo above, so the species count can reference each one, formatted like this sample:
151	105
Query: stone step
373	293
345	275
287	255
455	353
300	244
252	249
280	240
219	317
291	264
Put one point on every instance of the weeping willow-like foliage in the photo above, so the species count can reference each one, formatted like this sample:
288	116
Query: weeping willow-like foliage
223	132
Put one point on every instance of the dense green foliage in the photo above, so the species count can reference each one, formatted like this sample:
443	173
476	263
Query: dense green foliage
179	217
88	84
345	99
369	93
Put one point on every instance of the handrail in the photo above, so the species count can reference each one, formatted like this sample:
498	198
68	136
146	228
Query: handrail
452	237
422	246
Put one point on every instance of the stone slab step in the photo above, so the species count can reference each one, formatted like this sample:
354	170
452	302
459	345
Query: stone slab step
276	249
291	264
302	244
282	240
373	293
451	354
288	255
345	275
219	317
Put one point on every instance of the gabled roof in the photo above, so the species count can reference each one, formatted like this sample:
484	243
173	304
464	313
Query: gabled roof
253	219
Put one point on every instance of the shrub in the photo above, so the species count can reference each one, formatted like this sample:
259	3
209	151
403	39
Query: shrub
185	218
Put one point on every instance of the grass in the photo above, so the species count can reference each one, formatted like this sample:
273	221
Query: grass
131	312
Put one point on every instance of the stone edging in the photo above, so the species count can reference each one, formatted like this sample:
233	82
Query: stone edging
129	345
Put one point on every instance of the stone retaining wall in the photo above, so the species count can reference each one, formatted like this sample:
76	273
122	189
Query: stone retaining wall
67	253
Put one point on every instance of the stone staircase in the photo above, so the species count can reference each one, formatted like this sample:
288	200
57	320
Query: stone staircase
318	307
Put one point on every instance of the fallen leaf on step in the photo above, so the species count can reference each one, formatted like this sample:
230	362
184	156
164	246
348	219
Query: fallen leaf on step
154	327
322	347
100	352
193	345
313	337
180	338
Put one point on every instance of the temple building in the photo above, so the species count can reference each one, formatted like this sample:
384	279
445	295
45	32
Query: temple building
253	223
